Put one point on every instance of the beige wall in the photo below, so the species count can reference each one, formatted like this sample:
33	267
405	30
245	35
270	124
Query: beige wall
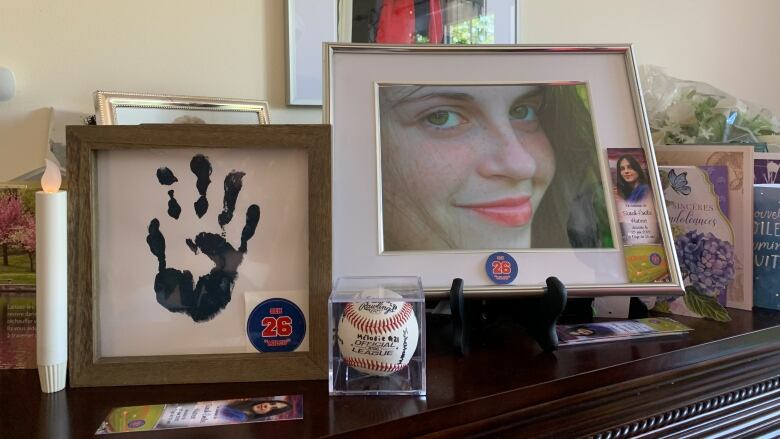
730	45
61	51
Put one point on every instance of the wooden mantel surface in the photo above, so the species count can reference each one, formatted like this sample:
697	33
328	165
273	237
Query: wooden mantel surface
721	374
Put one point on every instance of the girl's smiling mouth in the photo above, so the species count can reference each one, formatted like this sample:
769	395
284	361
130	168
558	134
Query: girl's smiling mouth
509	212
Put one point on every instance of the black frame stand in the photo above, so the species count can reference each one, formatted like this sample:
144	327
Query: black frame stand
539	314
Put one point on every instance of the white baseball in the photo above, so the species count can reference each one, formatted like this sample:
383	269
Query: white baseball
378	338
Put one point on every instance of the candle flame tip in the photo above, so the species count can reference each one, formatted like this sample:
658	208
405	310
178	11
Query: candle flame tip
51	179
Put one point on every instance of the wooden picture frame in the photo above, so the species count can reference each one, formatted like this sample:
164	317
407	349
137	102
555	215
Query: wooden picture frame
91	367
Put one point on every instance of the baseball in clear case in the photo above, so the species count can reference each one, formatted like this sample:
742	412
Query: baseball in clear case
377	344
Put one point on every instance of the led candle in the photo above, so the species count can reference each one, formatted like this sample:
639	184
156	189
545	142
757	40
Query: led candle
51	256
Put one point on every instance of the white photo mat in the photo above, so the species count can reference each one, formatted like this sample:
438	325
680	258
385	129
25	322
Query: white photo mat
131	322
353	74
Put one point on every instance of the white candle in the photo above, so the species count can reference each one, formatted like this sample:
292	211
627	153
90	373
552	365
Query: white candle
51	256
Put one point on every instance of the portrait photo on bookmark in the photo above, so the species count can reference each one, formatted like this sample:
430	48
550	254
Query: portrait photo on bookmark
637	215
202	414
489	166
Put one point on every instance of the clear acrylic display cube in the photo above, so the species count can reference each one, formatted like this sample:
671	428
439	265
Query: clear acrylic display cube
377	343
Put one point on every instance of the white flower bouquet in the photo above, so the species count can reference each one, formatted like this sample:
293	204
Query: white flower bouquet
681	111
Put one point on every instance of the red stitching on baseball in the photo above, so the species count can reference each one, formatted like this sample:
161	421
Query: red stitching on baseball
365	324
373	365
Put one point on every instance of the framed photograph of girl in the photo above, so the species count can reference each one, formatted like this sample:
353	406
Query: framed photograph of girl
481	167
443	163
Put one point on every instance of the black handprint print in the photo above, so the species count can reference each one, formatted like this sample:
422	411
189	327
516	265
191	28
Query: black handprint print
174	288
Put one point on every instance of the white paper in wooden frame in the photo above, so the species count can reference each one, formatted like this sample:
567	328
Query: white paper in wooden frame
355	75
132	322
120	108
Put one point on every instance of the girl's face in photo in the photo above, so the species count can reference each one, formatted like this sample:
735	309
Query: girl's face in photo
628	173
463	167
265	407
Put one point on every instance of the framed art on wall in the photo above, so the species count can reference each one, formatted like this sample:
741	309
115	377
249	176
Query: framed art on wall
176	276
309	24
458	163
117	108
313	22
427	21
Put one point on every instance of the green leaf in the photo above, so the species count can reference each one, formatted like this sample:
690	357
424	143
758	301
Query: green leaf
705	306
664	174
662	307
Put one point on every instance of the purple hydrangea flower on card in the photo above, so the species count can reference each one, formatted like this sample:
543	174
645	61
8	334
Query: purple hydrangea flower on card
706	261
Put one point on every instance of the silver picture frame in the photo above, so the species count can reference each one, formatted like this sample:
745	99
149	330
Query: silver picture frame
123	108
619	120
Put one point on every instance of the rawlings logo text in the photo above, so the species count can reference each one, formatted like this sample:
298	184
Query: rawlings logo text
378	307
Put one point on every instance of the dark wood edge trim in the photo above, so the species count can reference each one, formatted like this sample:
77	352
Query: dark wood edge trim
685	413
320	255
79	281
624	404
178	135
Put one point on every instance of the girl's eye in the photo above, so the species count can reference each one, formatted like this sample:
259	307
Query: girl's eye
444	119
523	112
